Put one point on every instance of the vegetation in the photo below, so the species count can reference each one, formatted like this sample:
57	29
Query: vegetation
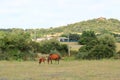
103	47
86	37
98	25
53	45
83	70
16	45
21	44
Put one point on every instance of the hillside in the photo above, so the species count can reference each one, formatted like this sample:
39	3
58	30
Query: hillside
98	25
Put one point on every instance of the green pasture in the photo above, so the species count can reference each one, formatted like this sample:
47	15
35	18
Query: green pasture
66	70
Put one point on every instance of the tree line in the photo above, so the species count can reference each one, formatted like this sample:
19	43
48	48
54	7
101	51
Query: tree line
97	47
18	45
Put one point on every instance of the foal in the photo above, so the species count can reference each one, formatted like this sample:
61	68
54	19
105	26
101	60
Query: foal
42	59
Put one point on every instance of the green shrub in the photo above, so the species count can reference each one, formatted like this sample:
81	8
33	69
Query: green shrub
86	37
103	47
101	51
50	45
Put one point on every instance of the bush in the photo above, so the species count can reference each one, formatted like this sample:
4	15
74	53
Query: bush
86	37
101	51
16	45
48	45
103	47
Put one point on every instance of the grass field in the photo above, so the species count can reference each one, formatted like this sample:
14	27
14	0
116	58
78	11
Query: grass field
66	70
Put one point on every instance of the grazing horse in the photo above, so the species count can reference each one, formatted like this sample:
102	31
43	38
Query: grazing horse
54	56
42	59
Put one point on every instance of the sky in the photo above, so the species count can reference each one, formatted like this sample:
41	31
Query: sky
32	14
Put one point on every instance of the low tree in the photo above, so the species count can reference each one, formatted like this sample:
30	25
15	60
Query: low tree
86	37
16	45
50	45
103	47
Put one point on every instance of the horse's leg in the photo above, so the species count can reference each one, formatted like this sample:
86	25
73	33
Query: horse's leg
58	61
48	61
39	61
51	61
44	62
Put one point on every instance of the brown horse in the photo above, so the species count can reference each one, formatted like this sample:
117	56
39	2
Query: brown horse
42	59
54	56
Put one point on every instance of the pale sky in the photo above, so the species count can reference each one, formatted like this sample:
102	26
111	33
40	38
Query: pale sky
31	14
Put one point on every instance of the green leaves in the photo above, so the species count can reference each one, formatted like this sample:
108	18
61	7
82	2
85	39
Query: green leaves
50	45
86	37
103	47
14	44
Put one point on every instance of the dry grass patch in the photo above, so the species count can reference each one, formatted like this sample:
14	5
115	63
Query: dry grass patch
66	70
